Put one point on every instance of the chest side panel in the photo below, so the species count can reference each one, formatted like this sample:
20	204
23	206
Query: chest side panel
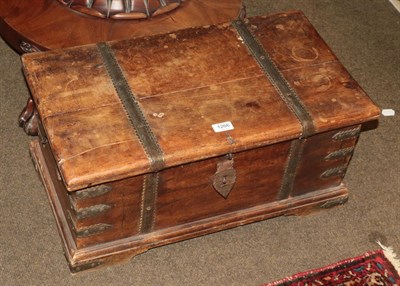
97	214
108	216
324	160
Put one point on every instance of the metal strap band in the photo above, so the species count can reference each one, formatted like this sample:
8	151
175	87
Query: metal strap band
347	134
342	153
133	110
286	92
296	150
149	194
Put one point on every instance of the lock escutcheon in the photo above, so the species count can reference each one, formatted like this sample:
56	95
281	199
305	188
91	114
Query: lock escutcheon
225	177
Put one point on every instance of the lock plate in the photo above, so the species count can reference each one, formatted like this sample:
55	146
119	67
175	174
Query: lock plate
225	177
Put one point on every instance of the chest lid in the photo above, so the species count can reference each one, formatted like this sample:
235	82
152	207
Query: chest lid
125	108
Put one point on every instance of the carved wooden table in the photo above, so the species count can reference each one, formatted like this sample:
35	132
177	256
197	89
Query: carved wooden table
38	25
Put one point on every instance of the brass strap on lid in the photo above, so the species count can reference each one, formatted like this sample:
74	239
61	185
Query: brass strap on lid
144	133
287	93
133	110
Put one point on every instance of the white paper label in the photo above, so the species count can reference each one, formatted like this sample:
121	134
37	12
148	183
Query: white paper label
388	112
223	126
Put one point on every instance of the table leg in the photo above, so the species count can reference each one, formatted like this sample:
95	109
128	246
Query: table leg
28	119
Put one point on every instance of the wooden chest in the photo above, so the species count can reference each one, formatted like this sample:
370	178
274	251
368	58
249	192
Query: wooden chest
150	141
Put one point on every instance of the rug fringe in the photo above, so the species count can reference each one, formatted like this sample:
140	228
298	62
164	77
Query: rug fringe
391	256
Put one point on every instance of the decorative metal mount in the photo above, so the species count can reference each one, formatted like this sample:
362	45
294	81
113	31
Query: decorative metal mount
122	9
225	177
28	48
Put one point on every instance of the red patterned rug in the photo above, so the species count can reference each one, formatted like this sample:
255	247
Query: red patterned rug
373	268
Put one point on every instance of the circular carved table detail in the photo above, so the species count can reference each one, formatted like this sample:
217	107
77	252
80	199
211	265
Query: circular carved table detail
45	25
122	9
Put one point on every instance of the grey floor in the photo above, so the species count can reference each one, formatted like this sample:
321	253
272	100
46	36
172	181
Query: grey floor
365	35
